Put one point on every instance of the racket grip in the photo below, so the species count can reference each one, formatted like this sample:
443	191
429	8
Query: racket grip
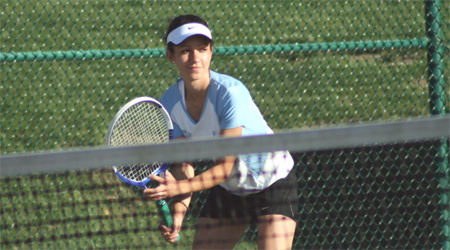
165	215
164	212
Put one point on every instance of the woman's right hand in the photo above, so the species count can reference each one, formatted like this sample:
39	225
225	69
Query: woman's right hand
170	234
179	210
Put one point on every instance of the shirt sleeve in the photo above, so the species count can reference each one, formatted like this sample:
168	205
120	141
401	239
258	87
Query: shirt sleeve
168	100
233	110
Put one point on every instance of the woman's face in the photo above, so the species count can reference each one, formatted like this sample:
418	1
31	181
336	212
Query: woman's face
192	58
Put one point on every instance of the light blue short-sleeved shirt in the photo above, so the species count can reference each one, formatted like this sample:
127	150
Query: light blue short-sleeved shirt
229	105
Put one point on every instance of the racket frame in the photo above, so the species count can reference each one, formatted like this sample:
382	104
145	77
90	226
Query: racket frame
123	109
134	102
162	205
142	184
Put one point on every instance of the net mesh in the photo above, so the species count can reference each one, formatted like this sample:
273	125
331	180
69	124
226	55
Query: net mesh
381	195
141	123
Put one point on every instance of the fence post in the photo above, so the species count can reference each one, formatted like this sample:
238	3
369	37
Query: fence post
437	106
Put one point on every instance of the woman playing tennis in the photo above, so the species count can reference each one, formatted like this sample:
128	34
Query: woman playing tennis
257	188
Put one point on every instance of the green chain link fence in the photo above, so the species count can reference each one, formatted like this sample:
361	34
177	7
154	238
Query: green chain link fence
67	66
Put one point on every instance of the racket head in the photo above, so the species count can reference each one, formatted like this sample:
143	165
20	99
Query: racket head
142	120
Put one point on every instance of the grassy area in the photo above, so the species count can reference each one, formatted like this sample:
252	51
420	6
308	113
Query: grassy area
62	104
71	103
77	213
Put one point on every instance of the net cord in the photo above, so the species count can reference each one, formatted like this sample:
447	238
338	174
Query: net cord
190	150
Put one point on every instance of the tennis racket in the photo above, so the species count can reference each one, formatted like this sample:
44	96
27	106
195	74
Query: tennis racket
143	120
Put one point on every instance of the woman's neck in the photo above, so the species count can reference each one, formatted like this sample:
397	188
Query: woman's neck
197	88
195	100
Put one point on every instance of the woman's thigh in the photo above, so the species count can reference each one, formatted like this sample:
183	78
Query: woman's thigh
218	233
275	232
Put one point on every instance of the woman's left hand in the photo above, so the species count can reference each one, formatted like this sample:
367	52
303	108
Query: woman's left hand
162	191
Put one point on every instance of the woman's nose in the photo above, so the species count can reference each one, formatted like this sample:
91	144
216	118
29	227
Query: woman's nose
195	55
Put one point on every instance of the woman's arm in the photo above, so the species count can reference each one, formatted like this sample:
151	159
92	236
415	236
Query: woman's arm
179	204
206	180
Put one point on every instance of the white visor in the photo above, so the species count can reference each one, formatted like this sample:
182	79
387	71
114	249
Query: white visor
185	31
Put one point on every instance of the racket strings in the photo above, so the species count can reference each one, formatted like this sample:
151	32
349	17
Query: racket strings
138	172
142	123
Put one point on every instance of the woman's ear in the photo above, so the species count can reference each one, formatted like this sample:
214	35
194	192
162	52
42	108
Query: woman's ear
170	56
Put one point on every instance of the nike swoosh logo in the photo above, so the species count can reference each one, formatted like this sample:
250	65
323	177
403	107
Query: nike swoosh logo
189	28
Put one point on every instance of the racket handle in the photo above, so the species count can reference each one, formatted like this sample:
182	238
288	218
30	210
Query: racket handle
164	212
166	216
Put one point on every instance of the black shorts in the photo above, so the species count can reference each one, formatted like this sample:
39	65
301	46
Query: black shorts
280	198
